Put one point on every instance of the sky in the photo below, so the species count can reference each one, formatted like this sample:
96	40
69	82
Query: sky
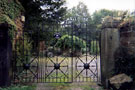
104	4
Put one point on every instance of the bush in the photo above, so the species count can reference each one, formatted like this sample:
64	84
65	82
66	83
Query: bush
124	62
68	43
94	49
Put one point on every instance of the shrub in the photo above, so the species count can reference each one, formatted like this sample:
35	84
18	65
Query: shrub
67	42
94	48
124	62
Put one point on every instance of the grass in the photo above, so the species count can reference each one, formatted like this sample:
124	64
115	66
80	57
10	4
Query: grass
33	87
86	87
53	79
66	61
71	86
61	77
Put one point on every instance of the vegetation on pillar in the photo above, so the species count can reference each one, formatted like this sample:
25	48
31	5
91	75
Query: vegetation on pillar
9	11
127	25
4	19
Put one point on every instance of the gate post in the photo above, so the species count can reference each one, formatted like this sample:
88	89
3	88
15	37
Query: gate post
5	56
109	44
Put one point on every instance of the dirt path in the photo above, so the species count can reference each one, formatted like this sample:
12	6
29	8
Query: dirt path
71	86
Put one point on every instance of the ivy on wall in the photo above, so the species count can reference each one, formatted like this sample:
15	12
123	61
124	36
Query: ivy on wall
9	11
11	8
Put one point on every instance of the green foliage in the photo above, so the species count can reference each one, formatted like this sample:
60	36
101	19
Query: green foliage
87	88
67	42
19	88
36	36
80	11
80	17
94	47
100	14
124	62
23	50
9	10
6	20
40	14
49	11
127	24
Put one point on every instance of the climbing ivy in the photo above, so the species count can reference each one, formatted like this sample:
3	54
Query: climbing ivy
9	11
12	26
11	8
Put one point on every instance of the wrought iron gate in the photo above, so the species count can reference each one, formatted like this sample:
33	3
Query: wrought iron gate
64	52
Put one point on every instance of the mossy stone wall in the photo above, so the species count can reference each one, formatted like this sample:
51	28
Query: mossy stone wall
10	10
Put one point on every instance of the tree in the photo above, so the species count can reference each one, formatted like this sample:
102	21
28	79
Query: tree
40	14
79	13
48	10
39	11
100	14
81	19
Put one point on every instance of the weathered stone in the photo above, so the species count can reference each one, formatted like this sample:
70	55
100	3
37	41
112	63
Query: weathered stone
111	22
118	80
127	25
117	49
109	44
127	39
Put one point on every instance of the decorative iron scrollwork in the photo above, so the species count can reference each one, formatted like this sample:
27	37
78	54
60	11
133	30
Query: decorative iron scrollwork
74	60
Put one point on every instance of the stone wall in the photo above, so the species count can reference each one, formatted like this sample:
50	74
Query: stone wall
117	51
11	27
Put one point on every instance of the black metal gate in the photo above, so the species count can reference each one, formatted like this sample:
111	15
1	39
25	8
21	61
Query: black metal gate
62	52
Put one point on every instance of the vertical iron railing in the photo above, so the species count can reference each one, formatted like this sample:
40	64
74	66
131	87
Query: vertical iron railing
59	67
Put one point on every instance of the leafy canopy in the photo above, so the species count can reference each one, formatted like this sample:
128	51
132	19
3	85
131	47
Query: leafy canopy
43	10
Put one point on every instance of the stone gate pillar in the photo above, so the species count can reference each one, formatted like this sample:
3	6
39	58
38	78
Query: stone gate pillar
109	44
5	56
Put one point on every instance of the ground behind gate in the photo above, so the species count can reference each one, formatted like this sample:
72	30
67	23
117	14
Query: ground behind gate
69	86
